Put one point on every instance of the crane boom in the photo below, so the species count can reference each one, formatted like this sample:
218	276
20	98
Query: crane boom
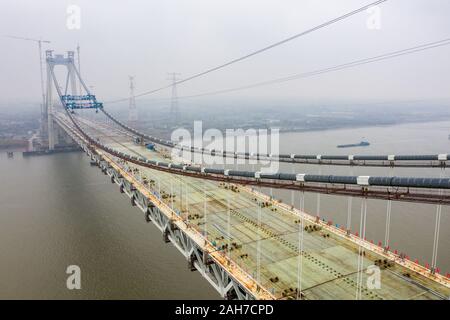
27	39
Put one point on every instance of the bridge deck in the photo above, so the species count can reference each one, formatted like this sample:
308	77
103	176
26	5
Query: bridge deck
233	216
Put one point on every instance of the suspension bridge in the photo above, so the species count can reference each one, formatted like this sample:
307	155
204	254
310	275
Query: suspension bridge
246	244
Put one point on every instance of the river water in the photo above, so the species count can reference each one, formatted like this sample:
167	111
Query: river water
57	211
412	225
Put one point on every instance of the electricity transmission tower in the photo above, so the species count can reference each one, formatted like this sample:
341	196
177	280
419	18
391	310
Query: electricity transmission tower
132	112
174	110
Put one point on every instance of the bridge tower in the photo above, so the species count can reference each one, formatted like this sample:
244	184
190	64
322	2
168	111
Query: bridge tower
52	134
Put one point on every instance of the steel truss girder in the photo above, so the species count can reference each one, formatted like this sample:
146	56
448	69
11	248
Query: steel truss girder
197	258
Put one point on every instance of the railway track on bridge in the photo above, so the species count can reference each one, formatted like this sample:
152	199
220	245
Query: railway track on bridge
422	190
401	161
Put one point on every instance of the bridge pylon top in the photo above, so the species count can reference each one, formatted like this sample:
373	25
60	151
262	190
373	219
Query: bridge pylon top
59	59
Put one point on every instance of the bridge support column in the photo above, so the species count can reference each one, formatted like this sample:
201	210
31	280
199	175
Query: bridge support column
166	236
49	109
51	134
191	261
148	216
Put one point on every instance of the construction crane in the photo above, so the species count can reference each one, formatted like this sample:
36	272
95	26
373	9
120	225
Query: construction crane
39	42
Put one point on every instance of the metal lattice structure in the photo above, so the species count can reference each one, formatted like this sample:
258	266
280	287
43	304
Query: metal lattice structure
132	111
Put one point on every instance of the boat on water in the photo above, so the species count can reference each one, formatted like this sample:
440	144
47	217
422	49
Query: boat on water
360	144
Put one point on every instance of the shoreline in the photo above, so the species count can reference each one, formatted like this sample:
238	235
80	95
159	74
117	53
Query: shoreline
167	134
366	126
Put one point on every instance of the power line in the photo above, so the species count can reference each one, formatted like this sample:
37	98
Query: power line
339	67
330	69
276	44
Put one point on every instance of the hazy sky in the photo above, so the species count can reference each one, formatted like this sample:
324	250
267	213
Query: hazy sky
149	38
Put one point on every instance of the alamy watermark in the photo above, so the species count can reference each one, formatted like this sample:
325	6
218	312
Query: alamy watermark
245	144
73	18
373	22
73	281
373	281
